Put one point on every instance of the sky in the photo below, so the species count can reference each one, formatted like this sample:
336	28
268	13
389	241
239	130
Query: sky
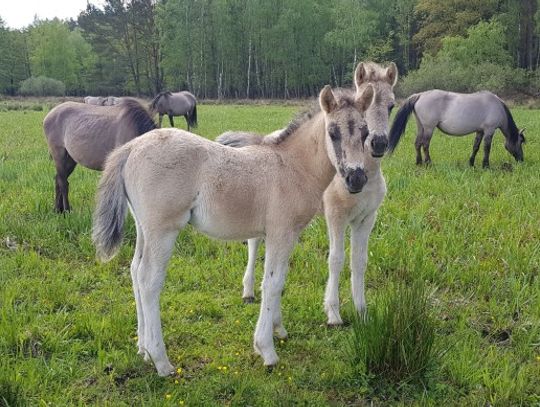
20	13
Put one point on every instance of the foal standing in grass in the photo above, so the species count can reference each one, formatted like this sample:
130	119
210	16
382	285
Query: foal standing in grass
170	178
342	206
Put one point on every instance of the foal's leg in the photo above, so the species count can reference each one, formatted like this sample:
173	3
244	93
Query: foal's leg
64	167
135	263
171	120
160	120
249	276
157	248
476	147
278	249
487	149
360	231
336	233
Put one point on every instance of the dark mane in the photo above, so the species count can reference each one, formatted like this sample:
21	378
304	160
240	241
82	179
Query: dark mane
154	101
514	131
344	97
135	113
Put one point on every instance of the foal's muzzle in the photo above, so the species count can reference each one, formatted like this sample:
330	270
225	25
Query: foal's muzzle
379	144
355	180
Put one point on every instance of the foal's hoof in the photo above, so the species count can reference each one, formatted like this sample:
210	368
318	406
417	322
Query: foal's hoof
248	300
333	325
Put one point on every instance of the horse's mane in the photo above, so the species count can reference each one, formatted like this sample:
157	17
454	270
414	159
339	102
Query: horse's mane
154	101
375	72
344	98
136	114
514	131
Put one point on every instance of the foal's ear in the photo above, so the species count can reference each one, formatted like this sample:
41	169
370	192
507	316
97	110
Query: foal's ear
392	74
360	75
327	100
363	101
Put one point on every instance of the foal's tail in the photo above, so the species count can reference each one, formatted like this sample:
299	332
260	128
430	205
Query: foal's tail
400	121
111	208
239	139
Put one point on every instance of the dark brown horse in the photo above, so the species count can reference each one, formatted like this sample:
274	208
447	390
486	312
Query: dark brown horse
79	133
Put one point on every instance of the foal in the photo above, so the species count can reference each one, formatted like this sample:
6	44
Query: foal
269	190
341	207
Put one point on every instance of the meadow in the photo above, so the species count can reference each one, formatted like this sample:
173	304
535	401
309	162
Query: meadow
470	236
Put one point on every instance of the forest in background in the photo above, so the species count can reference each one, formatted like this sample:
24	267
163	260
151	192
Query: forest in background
273	48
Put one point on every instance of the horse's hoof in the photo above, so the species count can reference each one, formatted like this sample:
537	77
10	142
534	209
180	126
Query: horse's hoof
281	334
248	300
333	325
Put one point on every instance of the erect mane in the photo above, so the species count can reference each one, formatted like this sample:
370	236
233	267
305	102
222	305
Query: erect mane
344	98
135	113
375	72
514	131
154	101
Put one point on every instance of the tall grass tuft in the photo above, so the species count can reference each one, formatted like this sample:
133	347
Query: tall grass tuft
393	341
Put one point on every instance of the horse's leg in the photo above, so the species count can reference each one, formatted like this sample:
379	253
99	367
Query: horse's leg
171	120
476	147
160	120
135	263
487	149
418	147
336	224
158	243
64	167
187	122
360	231
278	249
249	276
427	139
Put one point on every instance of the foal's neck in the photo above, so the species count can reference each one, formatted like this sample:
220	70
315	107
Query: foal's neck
306	148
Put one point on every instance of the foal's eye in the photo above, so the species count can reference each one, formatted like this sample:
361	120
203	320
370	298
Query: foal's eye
364	133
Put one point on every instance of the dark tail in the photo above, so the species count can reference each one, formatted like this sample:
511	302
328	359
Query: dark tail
111	208
400	121
192	118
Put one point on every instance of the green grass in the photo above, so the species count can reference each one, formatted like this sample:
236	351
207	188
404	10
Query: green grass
68	323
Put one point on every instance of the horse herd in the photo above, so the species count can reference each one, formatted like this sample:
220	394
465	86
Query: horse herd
246	186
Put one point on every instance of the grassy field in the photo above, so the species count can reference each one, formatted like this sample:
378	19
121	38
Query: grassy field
470	236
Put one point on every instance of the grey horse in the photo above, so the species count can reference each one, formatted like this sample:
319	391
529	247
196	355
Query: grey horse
458	114
111	101
84	134
175	104
94	100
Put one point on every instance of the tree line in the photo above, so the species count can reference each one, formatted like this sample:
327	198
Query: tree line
275	48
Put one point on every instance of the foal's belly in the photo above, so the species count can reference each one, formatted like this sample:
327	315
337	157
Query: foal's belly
227	219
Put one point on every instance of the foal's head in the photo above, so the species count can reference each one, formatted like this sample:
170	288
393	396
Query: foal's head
377	116
346	132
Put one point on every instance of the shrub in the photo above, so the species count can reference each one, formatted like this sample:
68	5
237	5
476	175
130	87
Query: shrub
42	86
393	341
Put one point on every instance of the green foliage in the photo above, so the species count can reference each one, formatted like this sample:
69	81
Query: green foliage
479	61
394	340
42	86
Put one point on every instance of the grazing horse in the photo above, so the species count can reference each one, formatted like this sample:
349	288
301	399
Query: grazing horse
341	208
83	134
94	100
111	101
458	114
269	190
175	104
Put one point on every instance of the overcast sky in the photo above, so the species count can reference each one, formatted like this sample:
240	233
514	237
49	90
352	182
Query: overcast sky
20	13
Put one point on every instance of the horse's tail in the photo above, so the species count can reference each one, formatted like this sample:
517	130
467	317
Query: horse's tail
239	139
154	102
111	207
400	121
192	118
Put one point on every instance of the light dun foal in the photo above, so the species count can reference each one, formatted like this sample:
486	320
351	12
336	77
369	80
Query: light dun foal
170	177
342	206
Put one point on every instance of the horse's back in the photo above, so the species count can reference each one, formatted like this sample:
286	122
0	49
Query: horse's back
459	113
